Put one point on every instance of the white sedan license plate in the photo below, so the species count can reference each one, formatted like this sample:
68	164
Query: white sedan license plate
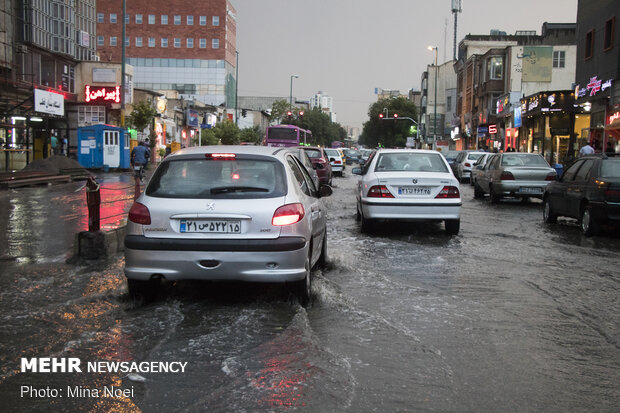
530	190
414	190
211	226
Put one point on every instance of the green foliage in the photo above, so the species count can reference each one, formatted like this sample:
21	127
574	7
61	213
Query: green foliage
142	115
228	133
207	137
253	135
278	111
389	133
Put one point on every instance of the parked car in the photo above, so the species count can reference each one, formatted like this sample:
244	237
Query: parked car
463	163
589	190
450	157
320	162
516	174
408	184
240	213
479	167
335	160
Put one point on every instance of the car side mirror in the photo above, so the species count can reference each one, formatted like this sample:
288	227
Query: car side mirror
325	190
356	171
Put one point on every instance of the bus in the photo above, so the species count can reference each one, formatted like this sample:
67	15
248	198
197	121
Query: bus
287	135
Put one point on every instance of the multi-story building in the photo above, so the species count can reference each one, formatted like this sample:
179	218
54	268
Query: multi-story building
495	71
437	119
325	103
187	47
598	72
41	45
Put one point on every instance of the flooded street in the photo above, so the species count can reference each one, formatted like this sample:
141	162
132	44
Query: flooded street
510	315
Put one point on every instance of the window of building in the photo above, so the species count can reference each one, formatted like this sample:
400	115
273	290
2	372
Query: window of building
151	19
138	19
216	20
203	20
127	19
113	41
164	42
126	40
100	41
190	20
177	20
164	19
559	57
190	43
493	98
215	43
151	42
88	115
203	43
589	44
100	18
112	17
177	42
449	104
138	41
608	42
495	68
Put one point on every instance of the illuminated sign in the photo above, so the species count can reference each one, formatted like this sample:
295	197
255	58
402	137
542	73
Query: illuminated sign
103	93
613	117
492	129
593	87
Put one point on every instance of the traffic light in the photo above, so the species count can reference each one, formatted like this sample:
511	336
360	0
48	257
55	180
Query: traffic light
413	130
301	115
395	115
380	115
244	112
289	114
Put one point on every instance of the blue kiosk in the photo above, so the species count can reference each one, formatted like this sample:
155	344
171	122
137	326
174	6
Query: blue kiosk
103	146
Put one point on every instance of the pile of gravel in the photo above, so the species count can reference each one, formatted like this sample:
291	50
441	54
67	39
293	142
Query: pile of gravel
54	164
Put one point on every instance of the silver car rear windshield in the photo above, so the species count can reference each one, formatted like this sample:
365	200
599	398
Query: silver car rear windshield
417	162
611	168
239	178
524	160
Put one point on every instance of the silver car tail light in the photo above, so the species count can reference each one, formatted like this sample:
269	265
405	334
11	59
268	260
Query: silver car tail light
288	214
551	176
449	192
507	176
379	191
139	214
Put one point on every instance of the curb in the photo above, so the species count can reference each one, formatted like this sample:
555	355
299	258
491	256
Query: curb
100	244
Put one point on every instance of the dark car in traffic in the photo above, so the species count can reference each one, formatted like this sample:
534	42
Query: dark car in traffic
589	190
353	156
320	161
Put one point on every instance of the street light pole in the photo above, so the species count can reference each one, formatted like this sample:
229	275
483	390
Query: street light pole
237	90
290	100
435	103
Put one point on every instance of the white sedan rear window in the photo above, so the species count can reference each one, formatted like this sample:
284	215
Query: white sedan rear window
417	162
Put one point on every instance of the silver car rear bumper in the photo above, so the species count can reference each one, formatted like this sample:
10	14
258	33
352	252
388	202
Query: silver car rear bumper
378	210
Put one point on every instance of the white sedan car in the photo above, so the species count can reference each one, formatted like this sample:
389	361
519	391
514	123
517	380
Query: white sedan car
408	184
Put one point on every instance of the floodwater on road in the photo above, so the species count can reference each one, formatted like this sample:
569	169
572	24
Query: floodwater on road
510	315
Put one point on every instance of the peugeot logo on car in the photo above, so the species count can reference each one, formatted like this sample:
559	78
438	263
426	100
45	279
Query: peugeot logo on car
415	181
211	206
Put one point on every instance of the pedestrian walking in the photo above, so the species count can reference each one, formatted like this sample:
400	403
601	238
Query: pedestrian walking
54	144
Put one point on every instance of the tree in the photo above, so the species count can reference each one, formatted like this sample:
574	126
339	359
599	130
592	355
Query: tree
253	135
388	132
278	111
142	115
207	137
228	133
324	131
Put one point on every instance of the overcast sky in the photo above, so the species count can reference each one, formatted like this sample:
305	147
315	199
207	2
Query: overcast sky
347	48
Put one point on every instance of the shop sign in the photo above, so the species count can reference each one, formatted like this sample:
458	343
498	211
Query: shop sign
192	118
593	87
517	117
49	102
613	117
482	130
112	94
492	129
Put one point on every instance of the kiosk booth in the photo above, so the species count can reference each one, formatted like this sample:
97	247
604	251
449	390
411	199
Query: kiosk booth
103	146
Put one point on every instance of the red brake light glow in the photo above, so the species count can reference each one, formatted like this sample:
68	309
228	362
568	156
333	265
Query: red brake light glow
220	155
140	214
379	191
448	192
235	177
288	214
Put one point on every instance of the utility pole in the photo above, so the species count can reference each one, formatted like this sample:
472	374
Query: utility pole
456	9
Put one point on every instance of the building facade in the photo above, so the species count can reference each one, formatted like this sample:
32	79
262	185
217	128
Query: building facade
195	43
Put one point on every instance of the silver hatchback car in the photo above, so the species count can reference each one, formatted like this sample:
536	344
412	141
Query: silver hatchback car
237	213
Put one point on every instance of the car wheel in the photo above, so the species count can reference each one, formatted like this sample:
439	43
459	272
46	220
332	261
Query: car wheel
549	217
453	226
366	224
358	216
478	192
302	288
471	181
331	178
142	289
589	225
494	197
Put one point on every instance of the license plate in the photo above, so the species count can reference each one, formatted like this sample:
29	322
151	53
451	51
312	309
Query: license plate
530	190
414	190
211	226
